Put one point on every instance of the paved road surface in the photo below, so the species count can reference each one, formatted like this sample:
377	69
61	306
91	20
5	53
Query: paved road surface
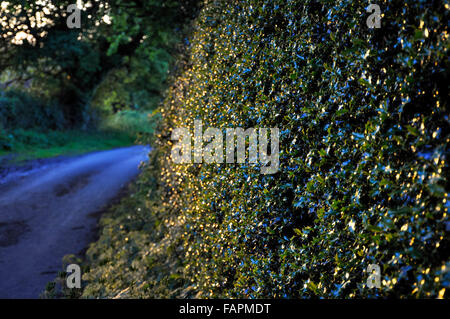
51	212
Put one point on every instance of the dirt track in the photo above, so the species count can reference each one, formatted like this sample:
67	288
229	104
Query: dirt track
53	211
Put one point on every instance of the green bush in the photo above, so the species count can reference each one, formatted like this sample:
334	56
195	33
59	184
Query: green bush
364	124
131	121
363	116
19	109
6	140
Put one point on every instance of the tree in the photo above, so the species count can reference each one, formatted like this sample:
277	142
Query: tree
67	65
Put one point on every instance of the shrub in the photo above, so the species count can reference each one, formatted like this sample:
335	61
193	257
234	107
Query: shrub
131	121
19	109
363	116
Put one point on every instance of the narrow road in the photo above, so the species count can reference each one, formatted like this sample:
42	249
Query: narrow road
53	211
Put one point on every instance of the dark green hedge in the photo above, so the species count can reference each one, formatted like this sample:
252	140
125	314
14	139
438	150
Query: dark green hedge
363	116
19	109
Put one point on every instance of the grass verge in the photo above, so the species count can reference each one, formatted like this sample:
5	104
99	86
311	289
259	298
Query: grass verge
22	145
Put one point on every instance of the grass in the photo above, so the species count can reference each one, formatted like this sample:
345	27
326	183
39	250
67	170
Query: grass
24	145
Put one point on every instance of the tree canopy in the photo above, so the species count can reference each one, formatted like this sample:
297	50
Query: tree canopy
118	58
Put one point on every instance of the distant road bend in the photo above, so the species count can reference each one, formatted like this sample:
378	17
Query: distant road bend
51	212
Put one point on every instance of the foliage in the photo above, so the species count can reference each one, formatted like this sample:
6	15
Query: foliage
132	122
37	49
126	44
31	128
19	109
58	287
110	70
363	116
364	149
